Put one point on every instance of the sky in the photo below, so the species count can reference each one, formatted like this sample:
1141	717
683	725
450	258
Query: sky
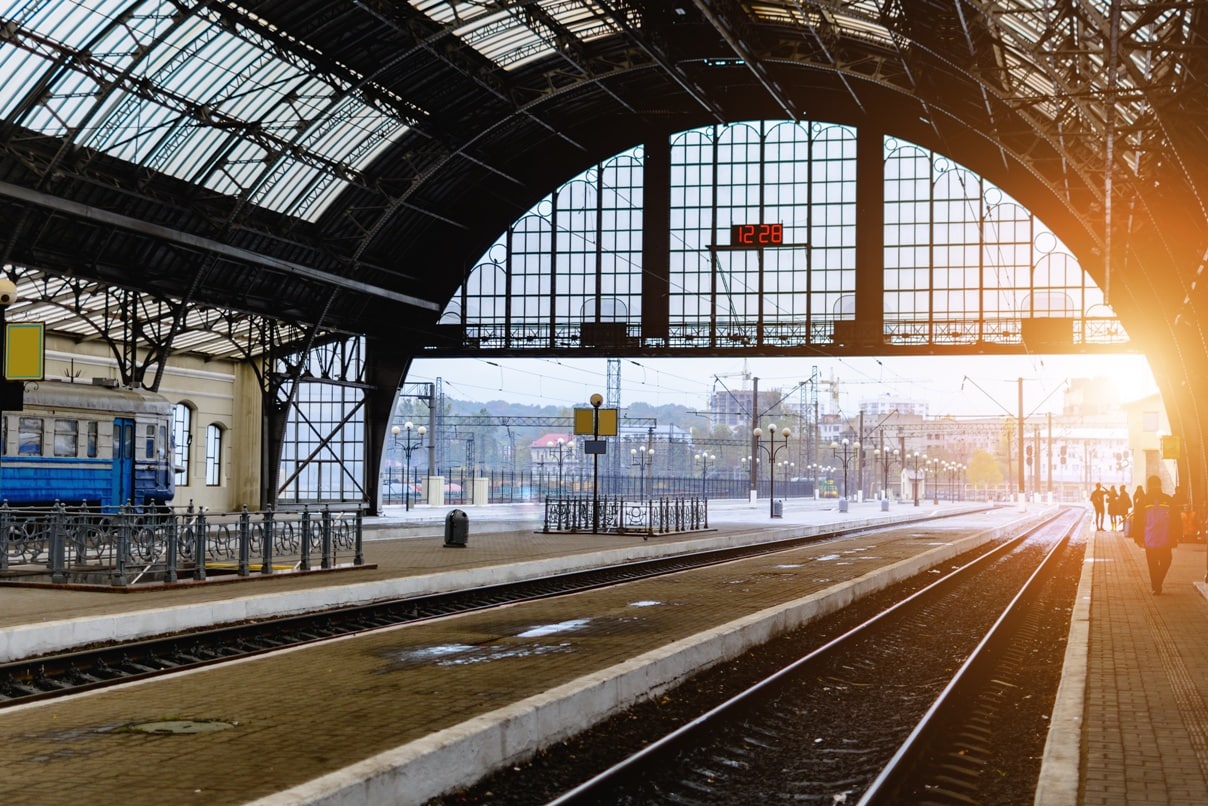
960	386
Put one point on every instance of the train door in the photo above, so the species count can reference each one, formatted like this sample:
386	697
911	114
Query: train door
123	460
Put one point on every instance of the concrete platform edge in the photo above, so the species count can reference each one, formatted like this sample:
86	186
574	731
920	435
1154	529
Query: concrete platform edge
1060	767
460	755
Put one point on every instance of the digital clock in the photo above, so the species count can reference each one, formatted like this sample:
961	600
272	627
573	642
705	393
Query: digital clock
756	235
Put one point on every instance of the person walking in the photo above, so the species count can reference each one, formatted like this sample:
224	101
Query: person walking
1138	501
1123	505
1098	496
1157	528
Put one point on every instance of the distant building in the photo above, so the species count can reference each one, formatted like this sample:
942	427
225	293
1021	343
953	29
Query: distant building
885	406
1094	439
1090	397
732	407
1147	426
555	461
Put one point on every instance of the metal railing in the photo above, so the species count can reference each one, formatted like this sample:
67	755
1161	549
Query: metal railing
619	515
125	547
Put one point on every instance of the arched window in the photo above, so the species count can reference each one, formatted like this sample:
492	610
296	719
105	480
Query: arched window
182	441
213	455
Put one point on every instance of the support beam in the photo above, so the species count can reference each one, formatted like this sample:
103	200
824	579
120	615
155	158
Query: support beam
96	215
656	241
870	235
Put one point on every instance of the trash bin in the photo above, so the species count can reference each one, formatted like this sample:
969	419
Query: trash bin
778	508
457	529
884	504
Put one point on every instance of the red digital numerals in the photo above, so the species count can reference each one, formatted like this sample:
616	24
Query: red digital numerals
756	234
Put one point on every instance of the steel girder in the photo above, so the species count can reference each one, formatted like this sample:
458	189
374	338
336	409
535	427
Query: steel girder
1088	112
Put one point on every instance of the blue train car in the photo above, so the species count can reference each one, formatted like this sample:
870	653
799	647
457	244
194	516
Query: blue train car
83	443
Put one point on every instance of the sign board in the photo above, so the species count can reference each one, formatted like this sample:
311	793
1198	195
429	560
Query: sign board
25	351
596	447
1171	447
608	422
585	422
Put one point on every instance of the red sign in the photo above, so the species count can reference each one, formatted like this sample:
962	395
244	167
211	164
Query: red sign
756	235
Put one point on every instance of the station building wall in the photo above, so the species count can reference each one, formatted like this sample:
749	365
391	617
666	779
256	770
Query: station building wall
220	395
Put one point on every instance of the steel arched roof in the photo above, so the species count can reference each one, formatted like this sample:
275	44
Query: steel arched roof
336	163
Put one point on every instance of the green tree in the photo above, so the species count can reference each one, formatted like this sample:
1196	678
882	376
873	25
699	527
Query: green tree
983	470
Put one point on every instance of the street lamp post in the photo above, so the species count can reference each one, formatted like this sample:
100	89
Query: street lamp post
703	459
561	445
407	446
596	401
644	459
844	451
914	476
771	449
886	459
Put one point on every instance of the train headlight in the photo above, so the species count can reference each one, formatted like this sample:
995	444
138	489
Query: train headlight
8	292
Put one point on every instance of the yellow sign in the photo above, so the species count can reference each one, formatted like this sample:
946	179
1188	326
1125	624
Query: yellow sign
585	422
1172	447
24	351
608	422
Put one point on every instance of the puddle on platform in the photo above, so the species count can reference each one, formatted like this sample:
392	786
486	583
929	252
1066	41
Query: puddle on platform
788	565
442	651
465	655
554	629
181	726
826	557
645	604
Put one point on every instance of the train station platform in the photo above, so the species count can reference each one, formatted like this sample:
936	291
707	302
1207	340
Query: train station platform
405	556
351	720
398	715
1130	725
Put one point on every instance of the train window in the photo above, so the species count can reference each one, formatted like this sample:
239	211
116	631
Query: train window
67	437
163	442
91	439
29	436
150	451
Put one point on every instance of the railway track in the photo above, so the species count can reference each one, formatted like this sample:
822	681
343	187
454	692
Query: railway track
66	673
891	711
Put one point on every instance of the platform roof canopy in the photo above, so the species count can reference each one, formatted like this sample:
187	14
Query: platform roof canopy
340	164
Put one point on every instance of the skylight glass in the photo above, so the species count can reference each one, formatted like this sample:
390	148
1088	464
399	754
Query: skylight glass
513	33
179	89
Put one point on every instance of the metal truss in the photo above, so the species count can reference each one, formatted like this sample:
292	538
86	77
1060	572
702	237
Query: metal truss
1094	109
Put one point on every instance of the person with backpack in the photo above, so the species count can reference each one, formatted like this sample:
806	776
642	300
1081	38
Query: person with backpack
1157	528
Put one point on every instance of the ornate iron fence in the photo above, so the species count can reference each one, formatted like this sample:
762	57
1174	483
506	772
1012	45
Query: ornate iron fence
74	545
619	515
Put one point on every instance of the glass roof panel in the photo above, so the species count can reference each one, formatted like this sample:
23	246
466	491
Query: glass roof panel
191	95
509	34
133	128
287	182
118	46
22	71
72	23
348	121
